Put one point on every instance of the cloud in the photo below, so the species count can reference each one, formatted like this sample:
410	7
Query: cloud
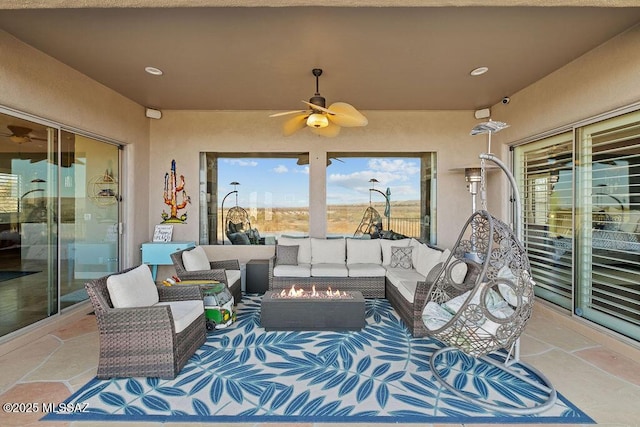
241	162
394	166
281	169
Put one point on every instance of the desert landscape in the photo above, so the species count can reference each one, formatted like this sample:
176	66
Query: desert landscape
342	220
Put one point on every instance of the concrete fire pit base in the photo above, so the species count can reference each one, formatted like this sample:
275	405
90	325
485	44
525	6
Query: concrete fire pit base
312	314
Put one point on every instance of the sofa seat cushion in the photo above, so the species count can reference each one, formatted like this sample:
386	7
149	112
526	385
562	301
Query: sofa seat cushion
232	276
328	251
329	269
184	312
135	288
300	270
304	247
366	270
407	289
397	275
360	251
195	259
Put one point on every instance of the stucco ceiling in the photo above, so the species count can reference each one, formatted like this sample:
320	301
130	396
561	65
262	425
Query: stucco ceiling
260	58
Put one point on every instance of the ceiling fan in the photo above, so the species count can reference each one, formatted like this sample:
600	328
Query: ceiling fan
303	159
20	134
322	120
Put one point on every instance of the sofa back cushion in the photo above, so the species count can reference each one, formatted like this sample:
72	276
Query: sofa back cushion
195	259
361	251
385	245
328	251
304	247
425	258
135	288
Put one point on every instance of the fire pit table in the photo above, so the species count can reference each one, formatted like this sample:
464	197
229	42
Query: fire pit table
281	311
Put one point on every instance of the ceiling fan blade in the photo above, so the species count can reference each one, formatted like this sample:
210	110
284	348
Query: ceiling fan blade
294	124
288	112
317	107
346	115
329	131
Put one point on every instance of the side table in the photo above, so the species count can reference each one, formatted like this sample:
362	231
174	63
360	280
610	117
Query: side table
257	276
158	253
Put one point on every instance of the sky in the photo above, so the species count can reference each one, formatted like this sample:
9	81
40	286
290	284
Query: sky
283	183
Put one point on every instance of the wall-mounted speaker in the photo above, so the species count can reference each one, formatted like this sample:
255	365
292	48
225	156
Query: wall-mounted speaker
153	114
485	113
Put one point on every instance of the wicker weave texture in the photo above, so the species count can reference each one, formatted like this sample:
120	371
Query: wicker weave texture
141	341
217	273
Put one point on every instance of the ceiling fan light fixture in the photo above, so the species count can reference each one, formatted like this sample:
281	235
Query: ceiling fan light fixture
19	139
317	120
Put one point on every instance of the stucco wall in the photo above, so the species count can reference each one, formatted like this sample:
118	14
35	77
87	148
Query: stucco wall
35	83
182	135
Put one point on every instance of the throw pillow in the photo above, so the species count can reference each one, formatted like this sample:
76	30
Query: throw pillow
287	255
135	288
195	259
401	257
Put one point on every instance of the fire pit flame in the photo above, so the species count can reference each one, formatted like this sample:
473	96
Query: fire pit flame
301	293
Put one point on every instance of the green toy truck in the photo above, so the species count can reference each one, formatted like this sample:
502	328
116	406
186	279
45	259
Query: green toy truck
218	306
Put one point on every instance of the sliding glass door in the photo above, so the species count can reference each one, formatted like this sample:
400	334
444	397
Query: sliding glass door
59	216
582	220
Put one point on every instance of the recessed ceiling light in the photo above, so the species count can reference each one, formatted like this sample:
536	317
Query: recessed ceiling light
153	70
479	71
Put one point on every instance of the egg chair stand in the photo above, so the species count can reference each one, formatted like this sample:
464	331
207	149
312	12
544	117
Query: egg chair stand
490	310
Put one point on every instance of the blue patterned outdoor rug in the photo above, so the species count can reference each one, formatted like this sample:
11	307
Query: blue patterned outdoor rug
378	375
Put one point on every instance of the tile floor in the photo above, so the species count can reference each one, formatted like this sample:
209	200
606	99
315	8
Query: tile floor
598	373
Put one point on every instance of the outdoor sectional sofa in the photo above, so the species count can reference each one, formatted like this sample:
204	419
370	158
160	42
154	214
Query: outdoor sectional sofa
400	270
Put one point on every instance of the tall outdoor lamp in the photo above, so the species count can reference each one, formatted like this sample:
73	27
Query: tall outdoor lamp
234	183
387	198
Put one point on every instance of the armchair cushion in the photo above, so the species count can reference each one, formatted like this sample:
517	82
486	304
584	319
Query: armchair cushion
232	276
135	288
184	312
195	259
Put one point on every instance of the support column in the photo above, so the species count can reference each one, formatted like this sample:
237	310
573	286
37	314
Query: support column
317	193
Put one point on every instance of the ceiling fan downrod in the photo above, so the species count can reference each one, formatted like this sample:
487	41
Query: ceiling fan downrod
316	99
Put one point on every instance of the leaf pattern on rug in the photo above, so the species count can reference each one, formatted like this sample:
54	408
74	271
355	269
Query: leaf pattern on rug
245	374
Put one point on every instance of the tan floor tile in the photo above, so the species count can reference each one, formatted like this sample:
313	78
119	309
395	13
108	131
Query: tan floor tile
613	363
77	356
36	394
20	362
555	334
603	397
85	325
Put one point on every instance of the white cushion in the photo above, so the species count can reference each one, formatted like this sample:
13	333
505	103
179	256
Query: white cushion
426	258
459	270
300	270
361	251
407	289
329	270
195	259
327	251
631	222
434	316
232	276
385	245
414	255
135	288
184	312
304	247
366	270
397	275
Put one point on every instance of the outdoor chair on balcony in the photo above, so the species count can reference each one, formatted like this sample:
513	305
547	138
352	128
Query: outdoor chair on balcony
193	264
487	312
370	225
238	227
145	330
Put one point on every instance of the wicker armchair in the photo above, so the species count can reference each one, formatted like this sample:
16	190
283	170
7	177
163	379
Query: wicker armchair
141	341
217	272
